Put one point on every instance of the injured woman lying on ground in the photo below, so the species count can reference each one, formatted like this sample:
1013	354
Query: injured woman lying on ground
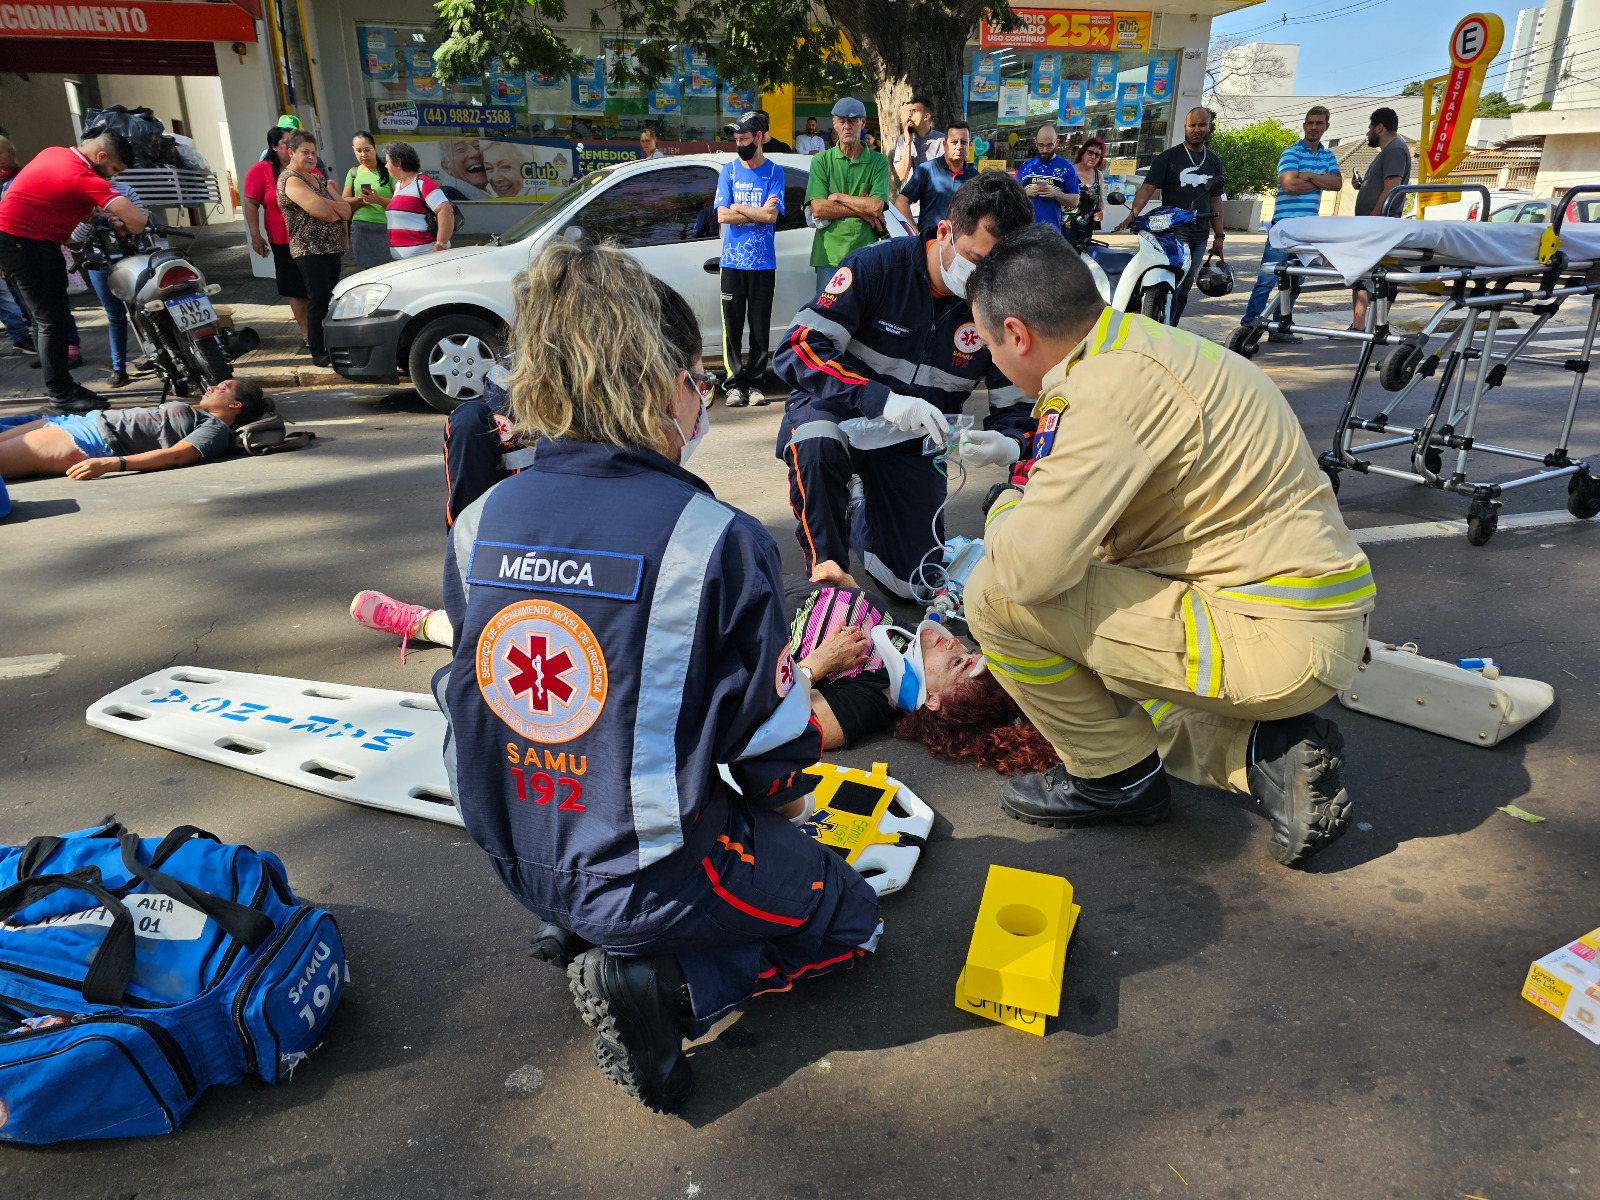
867	675
155	438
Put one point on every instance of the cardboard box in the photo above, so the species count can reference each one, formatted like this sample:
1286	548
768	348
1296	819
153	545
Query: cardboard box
1566	984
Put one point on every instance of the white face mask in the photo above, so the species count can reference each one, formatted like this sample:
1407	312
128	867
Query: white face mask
702	424
957	273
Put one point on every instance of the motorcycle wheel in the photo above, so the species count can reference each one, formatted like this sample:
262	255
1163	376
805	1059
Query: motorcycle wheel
1156	303
214	362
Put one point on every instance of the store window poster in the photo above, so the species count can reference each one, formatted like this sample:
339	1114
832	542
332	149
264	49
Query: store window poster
1013	102
540	81
509	90
421	82
1074	100
1130	104
985	80
1103	78
663	98
589	84
698	77
377	53
621	55
1158	79
736	101
1044	85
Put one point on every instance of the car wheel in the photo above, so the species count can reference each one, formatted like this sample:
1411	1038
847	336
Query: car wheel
450	358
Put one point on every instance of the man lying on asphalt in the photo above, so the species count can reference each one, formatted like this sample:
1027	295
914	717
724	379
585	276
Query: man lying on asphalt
174	434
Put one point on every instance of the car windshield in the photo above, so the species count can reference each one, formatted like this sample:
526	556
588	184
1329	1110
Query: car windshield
561	203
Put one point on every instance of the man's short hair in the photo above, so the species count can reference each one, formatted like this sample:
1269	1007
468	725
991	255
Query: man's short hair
119	146
1036	277
995	195
920	102
958	123
1199	108
1386	117
253	401
1316	110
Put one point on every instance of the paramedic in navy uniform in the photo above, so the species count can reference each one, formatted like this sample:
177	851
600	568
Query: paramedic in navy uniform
621	632
890	335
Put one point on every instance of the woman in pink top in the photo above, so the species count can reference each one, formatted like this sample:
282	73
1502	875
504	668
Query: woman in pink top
415	196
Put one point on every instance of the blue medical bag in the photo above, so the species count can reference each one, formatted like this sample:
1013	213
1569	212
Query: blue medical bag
136	973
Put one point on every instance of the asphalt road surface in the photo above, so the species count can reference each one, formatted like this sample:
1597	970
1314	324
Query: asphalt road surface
1229	1028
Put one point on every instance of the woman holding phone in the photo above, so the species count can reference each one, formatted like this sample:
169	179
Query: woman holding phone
368	188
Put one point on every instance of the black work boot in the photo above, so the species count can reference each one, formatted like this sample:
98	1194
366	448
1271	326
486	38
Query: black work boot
1293	771
1139	795
79	401
639	1010
557	946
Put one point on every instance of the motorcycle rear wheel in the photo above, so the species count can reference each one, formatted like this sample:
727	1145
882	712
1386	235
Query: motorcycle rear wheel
213	362
1155	302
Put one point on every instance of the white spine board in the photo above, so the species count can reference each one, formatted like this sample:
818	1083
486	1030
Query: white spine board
363	745
896	862
1401	685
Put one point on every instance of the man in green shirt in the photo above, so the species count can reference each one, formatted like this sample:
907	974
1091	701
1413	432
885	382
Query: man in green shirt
848	191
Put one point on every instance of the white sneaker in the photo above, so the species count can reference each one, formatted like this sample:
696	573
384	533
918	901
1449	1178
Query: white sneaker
734	398
757	400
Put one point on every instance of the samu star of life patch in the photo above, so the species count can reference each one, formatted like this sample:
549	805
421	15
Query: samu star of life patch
840	282
541	671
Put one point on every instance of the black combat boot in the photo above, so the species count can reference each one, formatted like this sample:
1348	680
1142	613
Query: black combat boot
557	946
1293	770
1139	795
639	1010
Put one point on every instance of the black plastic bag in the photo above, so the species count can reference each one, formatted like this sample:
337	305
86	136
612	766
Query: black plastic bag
152	145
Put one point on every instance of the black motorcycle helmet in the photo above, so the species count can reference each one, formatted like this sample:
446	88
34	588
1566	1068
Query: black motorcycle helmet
1215	278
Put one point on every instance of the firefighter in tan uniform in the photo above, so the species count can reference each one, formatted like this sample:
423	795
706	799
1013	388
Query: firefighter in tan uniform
1174	589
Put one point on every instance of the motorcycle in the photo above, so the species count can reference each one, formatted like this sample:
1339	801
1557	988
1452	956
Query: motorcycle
169	306
1145	280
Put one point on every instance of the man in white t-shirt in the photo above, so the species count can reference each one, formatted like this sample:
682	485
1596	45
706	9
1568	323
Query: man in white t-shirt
810	142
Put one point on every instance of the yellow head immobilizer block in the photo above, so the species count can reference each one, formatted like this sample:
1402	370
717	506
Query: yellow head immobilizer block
1019	948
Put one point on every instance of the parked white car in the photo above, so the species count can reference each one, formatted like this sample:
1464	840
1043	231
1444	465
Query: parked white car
442	318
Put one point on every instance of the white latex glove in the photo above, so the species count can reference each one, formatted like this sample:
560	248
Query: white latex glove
911	414
987	448
807	812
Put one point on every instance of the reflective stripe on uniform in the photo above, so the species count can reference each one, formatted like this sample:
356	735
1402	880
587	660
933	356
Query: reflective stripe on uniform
903	370
1053	669
1004	505
1110	331
1203	673
517	459
1156	708
1005	397
880	571
1322	591
668	647
832	330
818	429
464	533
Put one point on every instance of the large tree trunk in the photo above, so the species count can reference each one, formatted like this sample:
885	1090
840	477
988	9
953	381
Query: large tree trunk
908	49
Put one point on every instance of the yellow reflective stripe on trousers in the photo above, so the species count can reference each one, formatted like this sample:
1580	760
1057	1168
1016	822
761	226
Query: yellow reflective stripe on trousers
1318	591
1031	670
1156	708
1203	675
1003	505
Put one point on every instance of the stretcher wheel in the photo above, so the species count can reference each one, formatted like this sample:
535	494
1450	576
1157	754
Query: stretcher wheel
1481	528
1433	459
1583	496
1333	478
1399	365
1242	343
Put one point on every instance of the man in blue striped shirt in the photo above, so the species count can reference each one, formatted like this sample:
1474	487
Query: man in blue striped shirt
1305	170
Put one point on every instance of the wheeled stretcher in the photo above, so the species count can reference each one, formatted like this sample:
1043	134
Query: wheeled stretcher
1479	271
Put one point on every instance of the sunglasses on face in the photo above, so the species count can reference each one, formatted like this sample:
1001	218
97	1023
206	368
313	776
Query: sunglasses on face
704	383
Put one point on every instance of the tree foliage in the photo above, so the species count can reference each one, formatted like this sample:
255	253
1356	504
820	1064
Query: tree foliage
1494	104
1250	155
901	47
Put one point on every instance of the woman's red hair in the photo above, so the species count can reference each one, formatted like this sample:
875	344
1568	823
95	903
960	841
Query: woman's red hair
980	724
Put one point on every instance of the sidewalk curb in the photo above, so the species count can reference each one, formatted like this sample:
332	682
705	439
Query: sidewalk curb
303	377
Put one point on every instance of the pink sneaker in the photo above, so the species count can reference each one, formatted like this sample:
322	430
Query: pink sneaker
384	613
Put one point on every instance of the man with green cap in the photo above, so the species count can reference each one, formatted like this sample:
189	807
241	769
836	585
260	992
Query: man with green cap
848	191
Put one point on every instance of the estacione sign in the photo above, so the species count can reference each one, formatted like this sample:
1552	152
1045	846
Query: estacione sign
1473	45
167	22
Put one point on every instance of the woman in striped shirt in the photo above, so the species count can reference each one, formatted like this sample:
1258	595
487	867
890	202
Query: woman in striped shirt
415	196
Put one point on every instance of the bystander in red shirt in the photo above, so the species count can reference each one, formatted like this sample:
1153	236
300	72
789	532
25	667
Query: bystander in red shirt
51	195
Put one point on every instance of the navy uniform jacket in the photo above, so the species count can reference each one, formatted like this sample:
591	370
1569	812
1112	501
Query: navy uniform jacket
620	632
479	450
878	328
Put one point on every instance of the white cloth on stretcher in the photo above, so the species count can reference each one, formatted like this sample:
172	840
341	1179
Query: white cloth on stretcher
1353	245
